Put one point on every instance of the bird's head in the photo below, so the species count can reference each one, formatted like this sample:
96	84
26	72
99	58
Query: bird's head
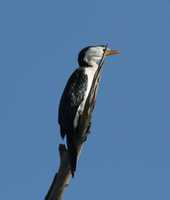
91	55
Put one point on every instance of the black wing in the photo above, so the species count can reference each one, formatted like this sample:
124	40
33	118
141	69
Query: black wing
72	97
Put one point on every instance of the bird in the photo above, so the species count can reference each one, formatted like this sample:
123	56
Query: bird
75	94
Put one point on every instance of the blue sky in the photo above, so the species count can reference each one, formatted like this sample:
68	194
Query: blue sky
127	153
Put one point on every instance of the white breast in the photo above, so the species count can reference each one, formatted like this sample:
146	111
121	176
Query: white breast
90	74
90	71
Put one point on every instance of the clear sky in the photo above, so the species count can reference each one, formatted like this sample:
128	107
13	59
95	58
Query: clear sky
127	156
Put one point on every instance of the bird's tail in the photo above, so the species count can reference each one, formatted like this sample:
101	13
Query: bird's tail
72	149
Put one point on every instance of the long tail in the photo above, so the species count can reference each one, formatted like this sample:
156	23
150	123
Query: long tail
72	149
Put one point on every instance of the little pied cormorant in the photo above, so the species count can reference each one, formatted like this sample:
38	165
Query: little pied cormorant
75	95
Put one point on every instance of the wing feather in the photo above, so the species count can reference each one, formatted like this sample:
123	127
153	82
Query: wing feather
71	99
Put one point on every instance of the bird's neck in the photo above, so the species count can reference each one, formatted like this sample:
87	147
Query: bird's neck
93	65
90	72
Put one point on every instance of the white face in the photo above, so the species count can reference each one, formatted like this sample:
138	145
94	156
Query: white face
94	55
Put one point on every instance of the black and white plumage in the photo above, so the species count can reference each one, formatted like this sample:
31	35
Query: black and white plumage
75	95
